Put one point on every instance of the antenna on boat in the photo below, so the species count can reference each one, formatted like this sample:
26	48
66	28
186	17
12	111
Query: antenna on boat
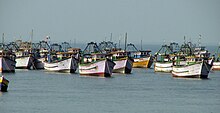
3	38
125	40
184	39
111	37
217	51
199	41
119	41
71	42
141	44
32	34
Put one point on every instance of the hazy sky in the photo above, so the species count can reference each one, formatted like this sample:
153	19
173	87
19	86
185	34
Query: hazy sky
153	21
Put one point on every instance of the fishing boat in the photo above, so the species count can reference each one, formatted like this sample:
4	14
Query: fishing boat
61	61
3	84
123	63
195	67
163	66
95	63
24	53
122	59
7	58
216	63
24	59
163	61
142	58
202	52
62	64
40	57
42	50
7	61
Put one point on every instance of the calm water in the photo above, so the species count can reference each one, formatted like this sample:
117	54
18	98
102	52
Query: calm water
32	91
38	91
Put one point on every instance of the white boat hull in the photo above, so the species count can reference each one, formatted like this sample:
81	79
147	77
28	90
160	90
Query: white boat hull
198	70
7	65
102	68
68	65
24	62
123	66
216	66
163	67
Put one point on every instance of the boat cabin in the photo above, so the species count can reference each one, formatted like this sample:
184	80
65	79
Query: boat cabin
120	54
193	59
7	54
141	54
74	50
22	52
201	52
88	58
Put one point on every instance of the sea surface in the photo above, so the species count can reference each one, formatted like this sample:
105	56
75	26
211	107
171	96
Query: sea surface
143	91
39	91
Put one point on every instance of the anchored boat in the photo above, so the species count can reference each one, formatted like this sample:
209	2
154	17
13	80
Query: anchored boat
64	64
42	50
95	63
216	63
163	61
123	63
142	59
195	68
7	61
24	54
24	59
3	84
61	61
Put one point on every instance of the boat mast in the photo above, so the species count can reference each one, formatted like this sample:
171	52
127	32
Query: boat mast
217	51
111	38
125	41
3	36
199	41
141	44
32	34
119	41
3	39
184	39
